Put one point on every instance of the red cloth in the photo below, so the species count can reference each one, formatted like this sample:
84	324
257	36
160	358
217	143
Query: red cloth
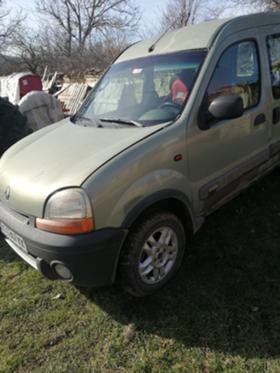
179	91
29	83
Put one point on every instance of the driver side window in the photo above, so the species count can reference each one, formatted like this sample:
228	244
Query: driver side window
237	73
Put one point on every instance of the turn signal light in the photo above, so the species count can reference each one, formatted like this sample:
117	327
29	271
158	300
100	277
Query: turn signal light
66	226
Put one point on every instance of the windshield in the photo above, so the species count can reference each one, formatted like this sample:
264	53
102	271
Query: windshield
144	91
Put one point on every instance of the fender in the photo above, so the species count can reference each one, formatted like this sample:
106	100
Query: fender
159	196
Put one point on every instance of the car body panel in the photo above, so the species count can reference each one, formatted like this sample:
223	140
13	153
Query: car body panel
190	37
230	144
39	165
146	168
199	36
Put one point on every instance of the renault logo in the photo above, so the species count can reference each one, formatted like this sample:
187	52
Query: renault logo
7	192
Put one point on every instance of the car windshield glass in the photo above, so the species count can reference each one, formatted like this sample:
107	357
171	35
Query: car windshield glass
144	91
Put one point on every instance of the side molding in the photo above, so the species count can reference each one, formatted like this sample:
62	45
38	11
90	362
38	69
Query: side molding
223	181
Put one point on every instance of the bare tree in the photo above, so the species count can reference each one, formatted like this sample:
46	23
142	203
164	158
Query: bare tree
80	35
28	51
102	53
8	24
253	6
76	20
33	51
179	13
267	4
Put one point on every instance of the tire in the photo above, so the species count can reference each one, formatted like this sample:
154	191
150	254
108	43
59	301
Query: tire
152	253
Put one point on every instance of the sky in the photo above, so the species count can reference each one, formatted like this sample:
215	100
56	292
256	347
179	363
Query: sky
150	9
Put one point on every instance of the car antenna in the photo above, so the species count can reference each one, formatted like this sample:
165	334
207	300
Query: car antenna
152	47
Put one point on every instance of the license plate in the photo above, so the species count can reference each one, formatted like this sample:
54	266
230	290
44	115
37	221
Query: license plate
13	236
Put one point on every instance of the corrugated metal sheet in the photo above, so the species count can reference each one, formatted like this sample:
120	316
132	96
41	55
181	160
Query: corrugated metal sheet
72	95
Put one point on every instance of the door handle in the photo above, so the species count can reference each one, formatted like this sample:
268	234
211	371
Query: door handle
259	119
276	115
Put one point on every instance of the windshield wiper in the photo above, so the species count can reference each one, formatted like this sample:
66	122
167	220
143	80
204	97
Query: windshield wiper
91	121
122	121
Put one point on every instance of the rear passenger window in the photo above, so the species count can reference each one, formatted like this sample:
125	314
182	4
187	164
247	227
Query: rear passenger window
237	73
273	46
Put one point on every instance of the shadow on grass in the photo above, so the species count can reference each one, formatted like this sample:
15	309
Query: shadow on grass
226	297
6	253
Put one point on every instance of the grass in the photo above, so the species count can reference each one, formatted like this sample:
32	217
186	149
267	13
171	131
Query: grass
220	314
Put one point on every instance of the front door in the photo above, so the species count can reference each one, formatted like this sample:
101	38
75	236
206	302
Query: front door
272	40
227	155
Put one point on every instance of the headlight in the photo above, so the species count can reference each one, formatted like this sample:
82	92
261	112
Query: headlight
67	212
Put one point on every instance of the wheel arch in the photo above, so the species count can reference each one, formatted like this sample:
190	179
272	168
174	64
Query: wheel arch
168	200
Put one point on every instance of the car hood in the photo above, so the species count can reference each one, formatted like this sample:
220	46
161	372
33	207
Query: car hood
59	156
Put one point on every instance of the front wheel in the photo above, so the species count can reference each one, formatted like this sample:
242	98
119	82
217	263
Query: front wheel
152	253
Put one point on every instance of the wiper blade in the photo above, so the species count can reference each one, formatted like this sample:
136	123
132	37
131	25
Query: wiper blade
92	121
122	121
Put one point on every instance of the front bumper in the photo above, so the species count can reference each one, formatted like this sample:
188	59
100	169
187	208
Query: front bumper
92	258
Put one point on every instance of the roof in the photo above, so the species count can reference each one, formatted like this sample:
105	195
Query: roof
199	36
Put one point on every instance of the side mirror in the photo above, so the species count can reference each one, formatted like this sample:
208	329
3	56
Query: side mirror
226	107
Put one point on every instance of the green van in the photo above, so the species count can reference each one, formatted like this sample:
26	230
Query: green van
176	127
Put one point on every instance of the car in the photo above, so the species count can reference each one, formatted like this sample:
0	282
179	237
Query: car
176	127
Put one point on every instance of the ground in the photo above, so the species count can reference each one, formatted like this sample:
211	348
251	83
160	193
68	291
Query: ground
220	314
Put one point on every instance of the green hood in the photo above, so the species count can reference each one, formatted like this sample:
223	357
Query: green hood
59	156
